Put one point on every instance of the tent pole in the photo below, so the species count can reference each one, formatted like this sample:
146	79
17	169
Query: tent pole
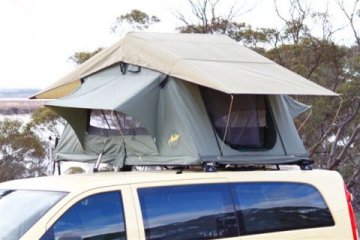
58	167
97	164
228	120
107	123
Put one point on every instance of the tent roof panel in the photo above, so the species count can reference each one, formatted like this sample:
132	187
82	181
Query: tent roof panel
214	61
108	93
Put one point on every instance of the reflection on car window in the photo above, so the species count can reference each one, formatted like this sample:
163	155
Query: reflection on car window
188	212
269	207
20	209
97	217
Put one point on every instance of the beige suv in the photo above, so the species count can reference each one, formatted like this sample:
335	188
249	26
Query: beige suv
292	204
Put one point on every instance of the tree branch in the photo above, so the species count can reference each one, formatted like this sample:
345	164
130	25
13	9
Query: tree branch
350	18
352	179
341	129
325	134
340	157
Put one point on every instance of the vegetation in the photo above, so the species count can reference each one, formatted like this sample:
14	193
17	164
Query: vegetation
331	132
75	170
21	153
44	119
80	57
134	20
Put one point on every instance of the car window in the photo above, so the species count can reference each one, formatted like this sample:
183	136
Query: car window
99	216
188	212
21	209
270	207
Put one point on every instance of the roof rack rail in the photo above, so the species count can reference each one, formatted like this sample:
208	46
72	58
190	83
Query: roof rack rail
215	166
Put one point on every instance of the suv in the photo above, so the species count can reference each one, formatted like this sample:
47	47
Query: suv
284	204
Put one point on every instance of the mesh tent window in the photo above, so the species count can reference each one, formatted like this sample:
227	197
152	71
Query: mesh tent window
242	121
103	122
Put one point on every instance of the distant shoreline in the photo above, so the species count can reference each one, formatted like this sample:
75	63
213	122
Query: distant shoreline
15	106
7	93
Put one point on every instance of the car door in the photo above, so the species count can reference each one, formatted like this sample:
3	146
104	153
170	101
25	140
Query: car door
102	213
185	209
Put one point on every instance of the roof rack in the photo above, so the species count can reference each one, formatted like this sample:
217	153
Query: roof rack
304	164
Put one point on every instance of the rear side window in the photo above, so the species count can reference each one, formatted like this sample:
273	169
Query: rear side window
188	212
99	216
270	207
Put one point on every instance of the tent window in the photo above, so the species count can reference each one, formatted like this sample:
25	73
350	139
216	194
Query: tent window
104	122
248	124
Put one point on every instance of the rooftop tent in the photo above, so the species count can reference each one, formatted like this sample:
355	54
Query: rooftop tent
183	123
215	61
180	99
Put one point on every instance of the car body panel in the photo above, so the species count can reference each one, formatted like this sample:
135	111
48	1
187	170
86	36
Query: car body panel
328	183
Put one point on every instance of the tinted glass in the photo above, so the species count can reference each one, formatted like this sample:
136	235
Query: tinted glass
241	121
96	217
21	209
188	212
269	207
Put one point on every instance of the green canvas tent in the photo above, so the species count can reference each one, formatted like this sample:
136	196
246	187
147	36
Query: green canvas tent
180	99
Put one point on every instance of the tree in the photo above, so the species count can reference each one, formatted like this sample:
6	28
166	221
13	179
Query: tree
21	152
351	15
333	130
47	121
204	14
80	57
135	20
75	170
295	24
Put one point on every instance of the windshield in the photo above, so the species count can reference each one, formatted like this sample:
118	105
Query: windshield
20	209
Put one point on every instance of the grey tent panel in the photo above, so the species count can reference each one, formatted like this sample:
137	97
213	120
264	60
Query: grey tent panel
173	111
295	107
159	80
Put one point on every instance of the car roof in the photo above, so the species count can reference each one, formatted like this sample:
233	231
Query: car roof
83	182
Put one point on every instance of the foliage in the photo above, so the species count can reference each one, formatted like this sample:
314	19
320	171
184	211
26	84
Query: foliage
208	22
21	153
81	57
75	170
136	19
46	120
332	133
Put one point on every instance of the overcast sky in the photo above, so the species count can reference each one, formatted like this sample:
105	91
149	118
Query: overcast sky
38	36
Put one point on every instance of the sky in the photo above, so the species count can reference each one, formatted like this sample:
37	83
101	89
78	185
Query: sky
39	36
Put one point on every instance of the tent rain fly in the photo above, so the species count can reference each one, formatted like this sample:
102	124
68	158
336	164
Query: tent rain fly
166	99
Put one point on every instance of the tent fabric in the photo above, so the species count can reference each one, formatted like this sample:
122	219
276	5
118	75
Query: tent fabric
119	92
69	147
246	124
173	111
295	108
230	68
